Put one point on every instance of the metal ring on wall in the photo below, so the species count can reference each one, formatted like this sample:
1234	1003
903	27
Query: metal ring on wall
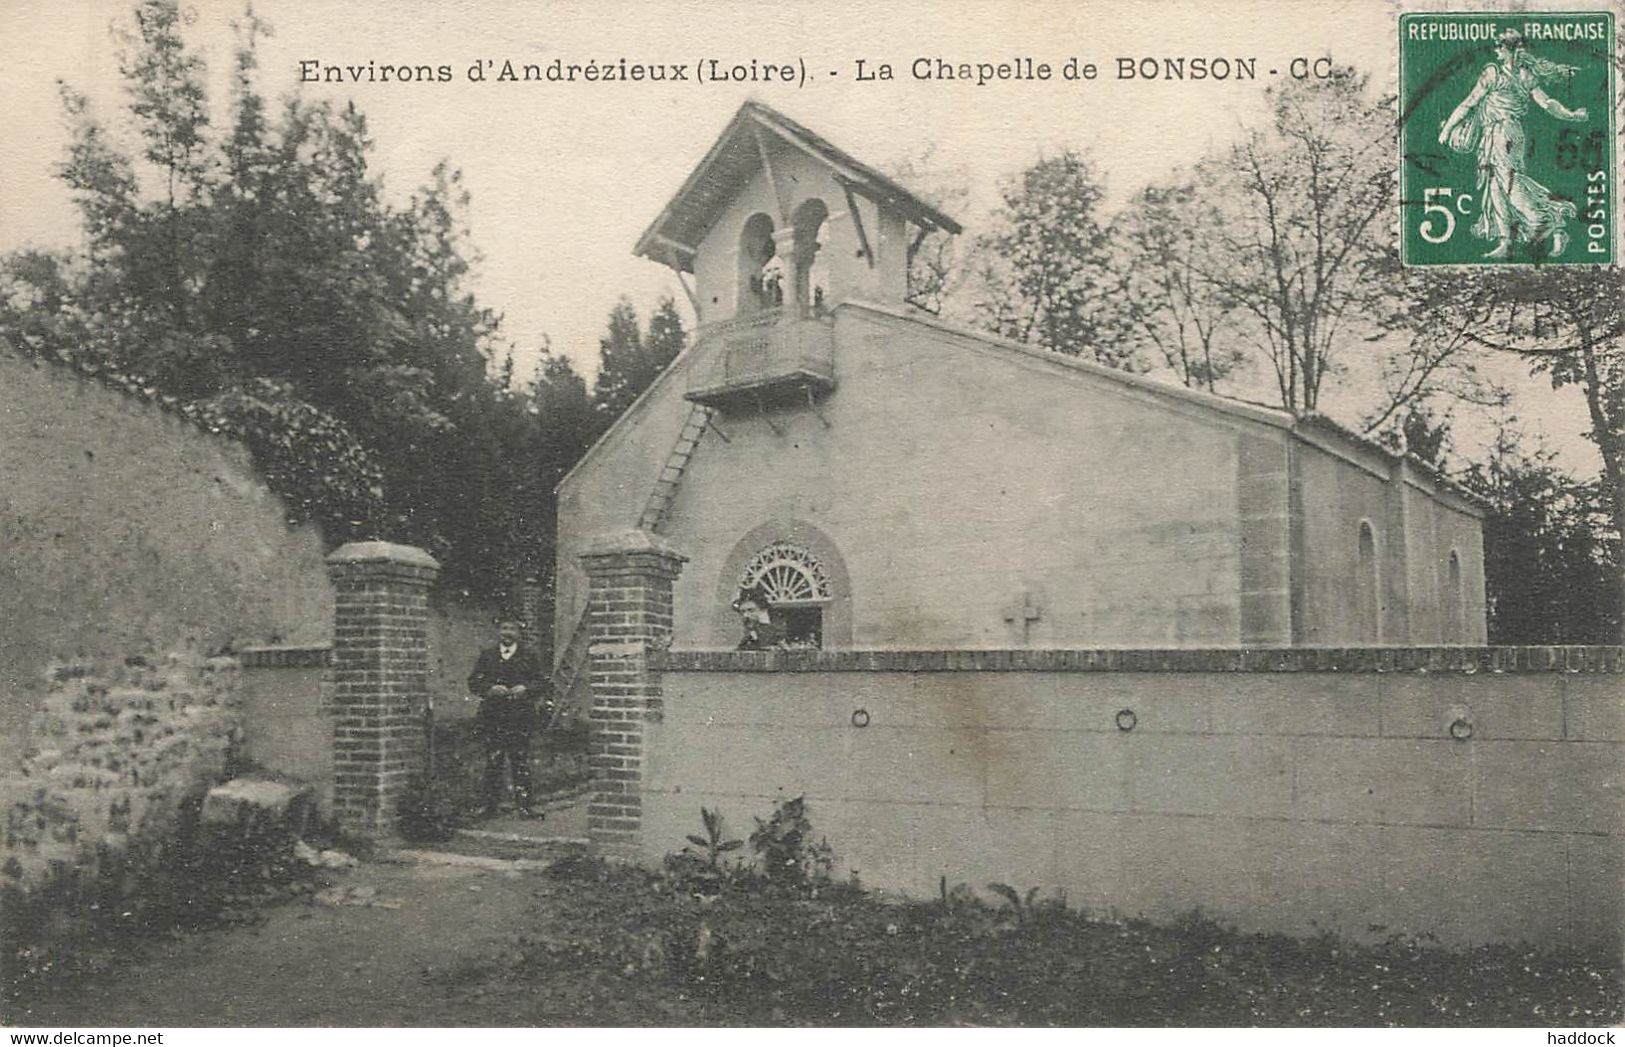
860	717
1461	728
1126	720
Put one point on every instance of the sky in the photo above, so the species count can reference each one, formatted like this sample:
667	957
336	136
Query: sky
564	176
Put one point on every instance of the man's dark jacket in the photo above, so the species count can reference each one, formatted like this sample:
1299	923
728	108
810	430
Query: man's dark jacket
507	712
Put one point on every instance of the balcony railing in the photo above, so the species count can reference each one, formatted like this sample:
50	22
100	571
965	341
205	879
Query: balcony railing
748	362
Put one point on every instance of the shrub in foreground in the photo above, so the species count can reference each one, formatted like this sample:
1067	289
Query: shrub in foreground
716	941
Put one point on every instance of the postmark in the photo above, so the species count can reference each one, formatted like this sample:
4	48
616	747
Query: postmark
1507	139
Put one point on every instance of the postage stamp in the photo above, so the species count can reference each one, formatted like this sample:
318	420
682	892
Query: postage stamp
1507	138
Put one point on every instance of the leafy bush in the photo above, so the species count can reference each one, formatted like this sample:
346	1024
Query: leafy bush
756	955
784	846
561	757
698	866
309	457
432	809
714	841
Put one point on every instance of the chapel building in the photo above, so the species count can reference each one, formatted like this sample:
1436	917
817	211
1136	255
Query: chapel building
895	482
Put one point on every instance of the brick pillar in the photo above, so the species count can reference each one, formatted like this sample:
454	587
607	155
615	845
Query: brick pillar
538	624
380	678
630	577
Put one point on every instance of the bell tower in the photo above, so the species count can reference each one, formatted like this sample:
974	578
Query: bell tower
776	221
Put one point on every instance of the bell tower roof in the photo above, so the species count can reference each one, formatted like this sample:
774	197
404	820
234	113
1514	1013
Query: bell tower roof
741	152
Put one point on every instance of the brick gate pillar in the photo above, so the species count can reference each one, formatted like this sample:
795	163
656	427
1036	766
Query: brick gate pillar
535	609
630	576
380	673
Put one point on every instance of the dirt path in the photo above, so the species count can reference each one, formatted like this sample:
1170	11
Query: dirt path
475	939
410	942
316	964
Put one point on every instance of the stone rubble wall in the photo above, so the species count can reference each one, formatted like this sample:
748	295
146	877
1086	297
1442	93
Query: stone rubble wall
122	758
125	527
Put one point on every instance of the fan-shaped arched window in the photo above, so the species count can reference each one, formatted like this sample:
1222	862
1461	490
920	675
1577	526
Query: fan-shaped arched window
797	588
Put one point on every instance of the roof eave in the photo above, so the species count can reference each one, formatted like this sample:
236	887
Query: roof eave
655	245
646	244
1435	482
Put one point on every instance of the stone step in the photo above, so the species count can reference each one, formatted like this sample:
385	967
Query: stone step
412	855
247	805
529	839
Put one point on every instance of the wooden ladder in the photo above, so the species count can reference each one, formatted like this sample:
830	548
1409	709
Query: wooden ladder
652	519
664	493
568	671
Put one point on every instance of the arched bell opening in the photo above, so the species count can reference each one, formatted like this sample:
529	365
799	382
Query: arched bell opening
811	226
761	271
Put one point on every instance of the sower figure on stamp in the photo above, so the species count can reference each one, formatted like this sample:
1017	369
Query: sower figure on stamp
508	680
1489	122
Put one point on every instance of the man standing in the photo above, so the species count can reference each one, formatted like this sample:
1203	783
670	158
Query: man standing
506	679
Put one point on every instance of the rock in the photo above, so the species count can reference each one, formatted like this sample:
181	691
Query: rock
336	860
357	895
304	852
259	803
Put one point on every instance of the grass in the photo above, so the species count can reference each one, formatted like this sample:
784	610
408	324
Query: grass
689	947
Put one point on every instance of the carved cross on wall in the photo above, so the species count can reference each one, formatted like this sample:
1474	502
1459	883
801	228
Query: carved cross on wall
1024	614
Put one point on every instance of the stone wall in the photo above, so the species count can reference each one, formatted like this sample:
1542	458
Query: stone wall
285	701
1473	794
457	633
287	696
1416	526
123	757
125	528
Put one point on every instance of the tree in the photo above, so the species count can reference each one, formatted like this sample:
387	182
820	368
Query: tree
1550	561
564	424
257	282
1163	305
1436	358
1296	217
1277	252
664	339
935	262
1568	322
170	104
1422	436
628	361
1043	271
570	423
620	356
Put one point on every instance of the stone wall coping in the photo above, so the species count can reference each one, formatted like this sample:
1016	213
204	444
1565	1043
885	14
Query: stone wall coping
286	656
632	540
1460	660
374	552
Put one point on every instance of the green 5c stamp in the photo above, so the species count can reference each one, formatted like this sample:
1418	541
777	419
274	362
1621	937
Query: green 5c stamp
1507	139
